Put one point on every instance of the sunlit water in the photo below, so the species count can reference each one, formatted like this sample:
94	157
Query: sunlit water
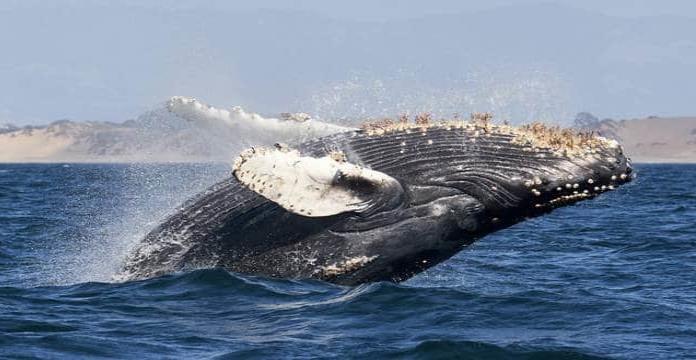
613	277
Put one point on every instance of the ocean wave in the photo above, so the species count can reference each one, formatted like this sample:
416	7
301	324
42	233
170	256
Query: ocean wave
253	315
447	349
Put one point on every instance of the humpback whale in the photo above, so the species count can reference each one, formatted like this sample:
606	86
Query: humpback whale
379	203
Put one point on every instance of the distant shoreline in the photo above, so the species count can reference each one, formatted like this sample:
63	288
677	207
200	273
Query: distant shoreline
650	140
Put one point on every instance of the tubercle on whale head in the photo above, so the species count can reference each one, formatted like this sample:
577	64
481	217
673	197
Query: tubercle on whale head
550	193
596	165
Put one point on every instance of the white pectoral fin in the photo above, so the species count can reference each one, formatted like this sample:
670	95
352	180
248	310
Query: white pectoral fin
251	126
314	187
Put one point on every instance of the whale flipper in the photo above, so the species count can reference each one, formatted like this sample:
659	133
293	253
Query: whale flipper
316	186
246	126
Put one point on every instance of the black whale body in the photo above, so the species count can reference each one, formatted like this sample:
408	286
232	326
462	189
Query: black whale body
458	184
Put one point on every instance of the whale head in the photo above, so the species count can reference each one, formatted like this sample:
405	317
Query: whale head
393	199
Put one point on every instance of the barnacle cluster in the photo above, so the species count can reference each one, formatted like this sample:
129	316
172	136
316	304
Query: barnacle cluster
564	142
338	156
345	266
381	125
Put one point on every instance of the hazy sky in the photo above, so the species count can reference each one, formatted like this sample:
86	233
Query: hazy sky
97	60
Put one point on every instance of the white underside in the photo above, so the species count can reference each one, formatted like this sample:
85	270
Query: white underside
305	185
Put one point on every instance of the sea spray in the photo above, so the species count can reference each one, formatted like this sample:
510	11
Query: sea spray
117	212
514	95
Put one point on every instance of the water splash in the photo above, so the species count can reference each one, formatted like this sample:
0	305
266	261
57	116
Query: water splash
111	215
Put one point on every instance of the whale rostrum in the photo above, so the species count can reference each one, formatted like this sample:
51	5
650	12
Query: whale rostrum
383	202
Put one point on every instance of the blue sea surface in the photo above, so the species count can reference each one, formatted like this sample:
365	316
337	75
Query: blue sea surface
614	277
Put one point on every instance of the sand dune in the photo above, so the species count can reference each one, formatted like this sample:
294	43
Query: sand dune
33	146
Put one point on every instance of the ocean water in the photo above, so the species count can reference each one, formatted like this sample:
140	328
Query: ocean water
610	278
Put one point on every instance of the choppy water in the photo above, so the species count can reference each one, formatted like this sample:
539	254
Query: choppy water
614	277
